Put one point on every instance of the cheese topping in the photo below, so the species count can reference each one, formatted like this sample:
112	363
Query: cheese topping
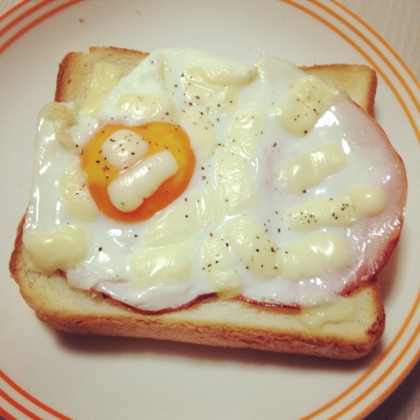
299	110
60	248
201	131
145	106
128	191
252	244
192	214
244	133
340	309
76	196
219	266
343	210
155	266
123	148
235	181
307	170
314	254
216	85
105	76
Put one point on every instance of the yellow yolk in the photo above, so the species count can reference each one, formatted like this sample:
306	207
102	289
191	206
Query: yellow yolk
159	136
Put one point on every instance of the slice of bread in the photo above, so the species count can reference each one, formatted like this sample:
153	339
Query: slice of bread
215	322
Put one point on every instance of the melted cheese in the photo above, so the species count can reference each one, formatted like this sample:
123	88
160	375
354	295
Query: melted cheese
190	215
219	266
75	194
309	169
235	181
343	210
60	248
216	84
299	110
123	148
105	76
201	131
244	133
128	191
313	255
339	309
145	106
253	246
154	266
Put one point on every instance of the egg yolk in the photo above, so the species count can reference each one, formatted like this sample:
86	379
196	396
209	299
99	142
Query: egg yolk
160	136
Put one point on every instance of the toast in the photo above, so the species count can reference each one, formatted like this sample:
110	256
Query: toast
212	321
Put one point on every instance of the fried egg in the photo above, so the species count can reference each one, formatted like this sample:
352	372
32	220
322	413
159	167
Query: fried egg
195	175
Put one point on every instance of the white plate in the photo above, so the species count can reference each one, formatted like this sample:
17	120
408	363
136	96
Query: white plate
46	374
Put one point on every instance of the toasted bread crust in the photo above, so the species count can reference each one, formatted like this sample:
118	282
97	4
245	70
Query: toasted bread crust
212	322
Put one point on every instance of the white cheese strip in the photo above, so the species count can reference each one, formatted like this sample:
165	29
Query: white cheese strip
123	148
244	132
300	108
251	243
201	132
235	181
75	194
309	169
128	191
316	253
105	77
216	86
219	267
142	106
342	210
60	248
162	265
187	216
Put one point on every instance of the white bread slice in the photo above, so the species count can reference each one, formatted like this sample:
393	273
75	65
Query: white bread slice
212	322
